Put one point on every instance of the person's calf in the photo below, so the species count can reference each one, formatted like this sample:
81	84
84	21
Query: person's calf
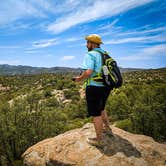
105	119
98	124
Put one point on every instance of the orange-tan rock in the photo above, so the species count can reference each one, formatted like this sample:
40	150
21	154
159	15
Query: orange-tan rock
71	148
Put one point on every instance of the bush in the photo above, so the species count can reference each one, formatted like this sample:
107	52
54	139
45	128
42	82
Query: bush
125	124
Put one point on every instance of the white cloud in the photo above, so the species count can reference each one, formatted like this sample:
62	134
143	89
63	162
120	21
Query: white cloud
65	58
119	35
143	34
73	39
109	26
13	10
142	39
18	26
127	40
67	13
147	53
44	5
155	50
66	6
143	31
44	43
98	9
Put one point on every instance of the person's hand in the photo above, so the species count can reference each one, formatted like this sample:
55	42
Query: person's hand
77	79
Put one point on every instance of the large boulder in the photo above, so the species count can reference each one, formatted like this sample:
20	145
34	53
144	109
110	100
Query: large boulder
71	148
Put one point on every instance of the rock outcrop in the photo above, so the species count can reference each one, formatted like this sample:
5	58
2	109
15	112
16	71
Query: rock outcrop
71	148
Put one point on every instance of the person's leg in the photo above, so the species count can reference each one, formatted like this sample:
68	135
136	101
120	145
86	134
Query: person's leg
105	119
98	124
94	98
104	115
106	128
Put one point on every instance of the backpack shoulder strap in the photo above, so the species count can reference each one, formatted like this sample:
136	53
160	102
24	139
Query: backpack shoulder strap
104	55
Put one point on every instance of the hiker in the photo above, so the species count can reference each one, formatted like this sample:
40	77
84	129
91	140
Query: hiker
96	92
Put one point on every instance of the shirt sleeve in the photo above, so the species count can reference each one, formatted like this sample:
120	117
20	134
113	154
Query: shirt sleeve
88	62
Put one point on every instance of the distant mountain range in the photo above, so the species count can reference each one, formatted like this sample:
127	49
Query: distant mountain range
17	70
6	69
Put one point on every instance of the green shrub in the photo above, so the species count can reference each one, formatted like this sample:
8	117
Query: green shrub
124	124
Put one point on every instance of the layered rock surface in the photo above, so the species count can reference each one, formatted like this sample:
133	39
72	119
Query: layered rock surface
71	148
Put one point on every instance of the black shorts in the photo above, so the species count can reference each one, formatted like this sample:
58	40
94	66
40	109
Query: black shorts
96	98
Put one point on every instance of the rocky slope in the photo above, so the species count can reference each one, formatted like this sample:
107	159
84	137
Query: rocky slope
71	148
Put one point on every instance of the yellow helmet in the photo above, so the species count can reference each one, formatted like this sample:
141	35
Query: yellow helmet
94	38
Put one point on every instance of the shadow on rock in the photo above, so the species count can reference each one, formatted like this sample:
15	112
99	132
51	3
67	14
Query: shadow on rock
57	163
117	144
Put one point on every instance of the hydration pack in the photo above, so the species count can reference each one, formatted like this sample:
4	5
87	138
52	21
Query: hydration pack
110	72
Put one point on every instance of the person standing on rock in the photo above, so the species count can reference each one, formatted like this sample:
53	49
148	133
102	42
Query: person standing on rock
96	92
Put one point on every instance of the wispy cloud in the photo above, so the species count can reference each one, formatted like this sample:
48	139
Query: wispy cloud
44	43
147	53
104	8
30	28
143	39
66	58
66	14
109	26
72	39
155	50
143	31
15	27
145	34
13	10
161	6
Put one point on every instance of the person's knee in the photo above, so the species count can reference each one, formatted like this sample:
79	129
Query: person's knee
95	113
97	120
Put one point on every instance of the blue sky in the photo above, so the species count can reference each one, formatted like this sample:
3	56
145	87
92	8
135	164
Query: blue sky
51	33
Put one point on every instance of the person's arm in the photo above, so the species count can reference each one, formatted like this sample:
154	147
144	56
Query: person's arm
88	66
84	75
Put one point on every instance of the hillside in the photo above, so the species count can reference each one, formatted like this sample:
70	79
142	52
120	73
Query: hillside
71	148
18	70
36	107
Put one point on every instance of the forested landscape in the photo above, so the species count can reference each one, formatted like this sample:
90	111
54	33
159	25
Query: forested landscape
36	107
